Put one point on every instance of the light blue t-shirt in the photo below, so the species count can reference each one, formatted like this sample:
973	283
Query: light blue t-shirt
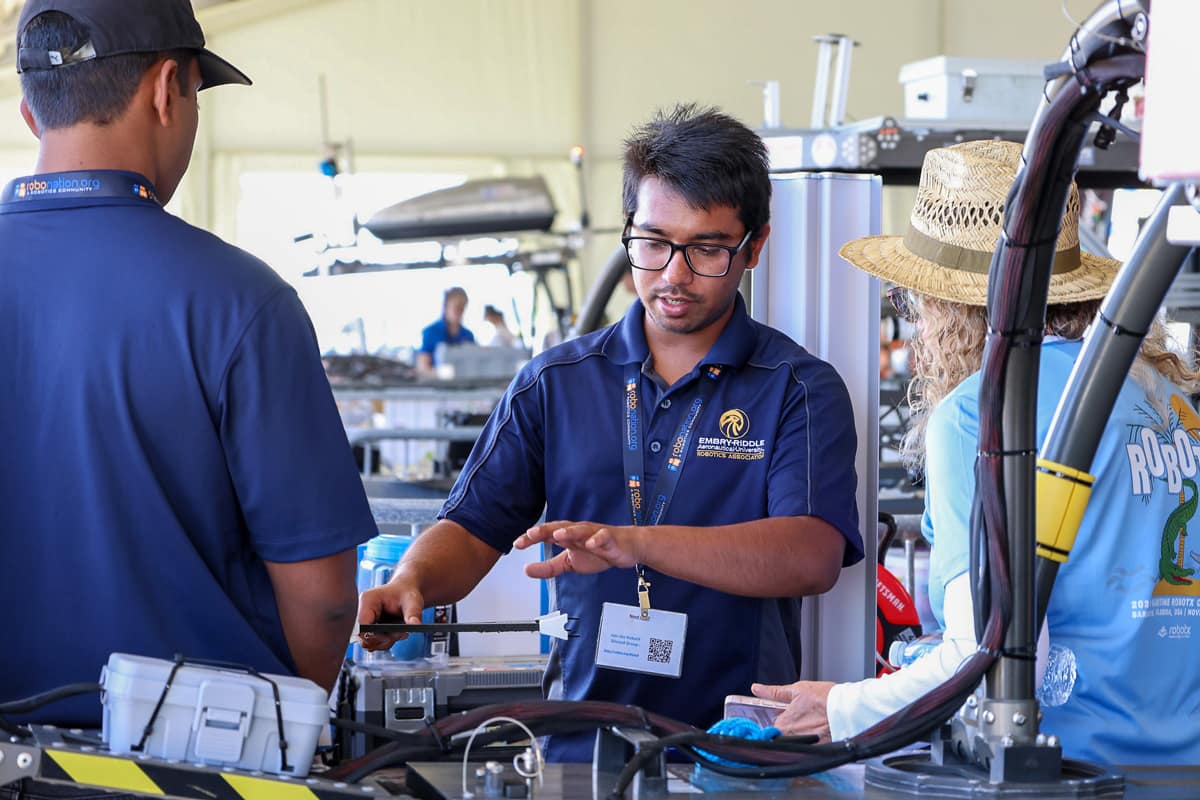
1128	600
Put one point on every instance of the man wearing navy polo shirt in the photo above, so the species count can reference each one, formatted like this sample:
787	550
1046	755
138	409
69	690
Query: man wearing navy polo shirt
697	466
174	477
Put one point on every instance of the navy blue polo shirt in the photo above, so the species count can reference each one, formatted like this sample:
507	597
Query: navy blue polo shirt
435	333
167	427
555	440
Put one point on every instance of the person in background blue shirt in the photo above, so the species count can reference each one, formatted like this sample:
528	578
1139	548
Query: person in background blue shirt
694	464
448	330
1131	675
174	478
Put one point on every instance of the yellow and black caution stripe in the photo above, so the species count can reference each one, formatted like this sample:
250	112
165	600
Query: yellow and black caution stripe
1062	497
93	770
155	779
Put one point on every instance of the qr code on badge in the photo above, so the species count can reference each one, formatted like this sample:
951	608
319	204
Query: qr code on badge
660	650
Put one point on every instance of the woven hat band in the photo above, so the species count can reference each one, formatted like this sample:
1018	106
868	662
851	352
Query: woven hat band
953	256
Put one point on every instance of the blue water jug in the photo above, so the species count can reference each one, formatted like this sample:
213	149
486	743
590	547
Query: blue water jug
375	567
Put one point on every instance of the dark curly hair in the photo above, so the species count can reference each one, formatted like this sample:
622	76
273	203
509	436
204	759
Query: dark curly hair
707	156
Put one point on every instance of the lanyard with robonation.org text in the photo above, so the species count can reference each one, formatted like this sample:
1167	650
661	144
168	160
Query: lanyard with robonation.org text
668	477
74	185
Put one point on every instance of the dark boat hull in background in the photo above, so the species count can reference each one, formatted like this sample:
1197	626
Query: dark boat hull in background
490	205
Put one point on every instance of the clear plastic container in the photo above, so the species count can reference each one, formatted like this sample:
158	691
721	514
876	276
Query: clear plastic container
1059	679
903	653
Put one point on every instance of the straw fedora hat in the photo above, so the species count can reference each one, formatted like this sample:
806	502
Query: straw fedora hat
955	226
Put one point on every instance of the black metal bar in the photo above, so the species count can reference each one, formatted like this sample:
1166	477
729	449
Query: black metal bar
1017	293
448	627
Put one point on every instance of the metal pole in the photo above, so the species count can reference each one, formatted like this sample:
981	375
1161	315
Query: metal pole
771	115
910	565
821	84
841	80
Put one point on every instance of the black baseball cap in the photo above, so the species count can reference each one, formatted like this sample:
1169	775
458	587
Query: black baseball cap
127	26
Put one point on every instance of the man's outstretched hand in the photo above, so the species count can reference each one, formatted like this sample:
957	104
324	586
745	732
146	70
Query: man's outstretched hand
588	547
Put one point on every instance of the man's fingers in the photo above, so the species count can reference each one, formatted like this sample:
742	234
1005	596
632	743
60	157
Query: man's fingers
529	538
601	541
543	570
588	536
564	562
412	603
406	603
551	568
380	641
369	604
572	535
538	534
397	601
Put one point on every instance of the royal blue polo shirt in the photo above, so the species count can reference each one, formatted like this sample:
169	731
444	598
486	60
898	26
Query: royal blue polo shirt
435	333
556	440
167	427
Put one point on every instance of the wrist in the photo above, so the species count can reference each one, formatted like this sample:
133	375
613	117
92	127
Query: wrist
408	575
638	544
839	704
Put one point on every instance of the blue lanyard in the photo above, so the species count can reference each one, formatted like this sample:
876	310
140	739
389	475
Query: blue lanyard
73	185
635	461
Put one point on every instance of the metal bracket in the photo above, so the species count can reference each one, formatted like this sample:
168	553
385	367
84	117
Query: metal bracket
969	80
614	748
18	760
1000	738
409	708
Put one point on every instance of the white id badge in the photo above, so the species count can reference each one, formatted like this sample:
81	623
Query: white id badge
628	642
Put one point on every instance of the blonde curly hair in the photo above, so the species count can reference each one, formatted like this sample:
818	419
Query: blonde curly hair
948	348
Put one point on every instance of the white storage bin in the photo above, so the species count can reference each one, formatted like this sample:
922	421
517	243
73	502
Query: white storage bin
999	91
211	715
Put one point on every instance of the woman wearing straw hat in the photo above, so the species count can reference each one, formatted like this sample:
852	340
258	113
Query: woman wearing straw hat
1112	618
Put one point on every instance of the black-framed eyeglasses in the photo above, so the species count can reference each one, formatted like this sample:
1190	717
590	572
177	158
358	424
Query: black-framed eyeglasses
703	258
902	300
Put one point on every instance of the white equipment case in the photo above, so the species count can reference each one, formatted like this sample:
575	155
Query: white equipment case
996	91
211	714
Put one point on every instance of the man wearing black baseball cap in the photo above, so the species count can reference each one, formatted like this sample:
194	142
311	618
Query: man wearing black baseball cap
119	28
174	477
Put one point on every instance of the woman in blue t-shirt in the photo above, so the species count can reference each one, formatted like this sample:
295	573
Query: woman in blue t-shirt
1111	628
447	330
